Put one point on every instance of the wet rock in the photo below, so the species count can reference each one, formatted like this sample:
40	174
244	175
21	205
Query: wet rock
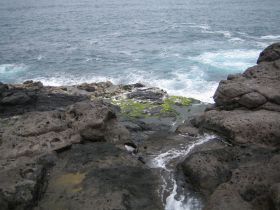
255	83
132	86
31	85
87	87
28	144
187	129
246	113
102	176
3	88
15	98
206	170
240	176
22	183
148	94
271	53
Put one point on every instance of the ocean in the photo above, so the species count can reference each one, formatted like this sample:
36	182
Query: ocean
182	46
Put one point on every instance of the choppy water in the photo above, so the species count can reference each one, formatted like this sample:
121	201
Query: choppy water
183	46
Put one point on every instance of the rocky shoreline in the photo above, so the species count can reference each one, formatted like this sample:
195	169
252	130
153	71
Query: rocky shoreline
64	147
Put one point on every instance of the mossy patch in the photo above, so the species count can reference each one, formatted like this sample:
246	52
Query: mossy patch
133	108
70	182
144	109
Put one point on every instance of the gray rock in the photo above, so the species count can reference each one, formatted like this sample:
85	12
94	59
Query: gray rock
227	197
187	129
275	195
155	95
252	100
260	127
41	132
262	78
271	53
15	98
3	88
240	177
244	175
207	170
100	176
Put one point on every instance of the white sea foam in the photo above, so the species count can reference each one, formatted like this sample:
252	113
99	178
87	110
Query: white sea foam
236	39
7	69
203	26
226	34
232	60
39	57
175	201
163	159
271	37
189	84
183	83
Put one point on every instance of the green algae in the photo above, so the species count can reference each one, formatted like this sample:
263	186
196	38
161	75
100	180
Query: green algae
171	101
144	109
133	108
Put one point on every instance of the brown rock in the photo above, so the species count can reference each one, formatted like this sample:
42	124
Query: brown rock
252	100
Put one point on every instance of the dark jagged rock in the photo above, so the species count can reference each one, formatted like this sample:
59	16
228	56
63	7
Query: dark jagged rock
151	94
100	176
257	84
26	142
15	99
275	195
246	174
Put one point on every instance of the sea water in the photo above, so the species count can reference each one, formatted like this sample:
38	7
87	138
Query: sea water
183	46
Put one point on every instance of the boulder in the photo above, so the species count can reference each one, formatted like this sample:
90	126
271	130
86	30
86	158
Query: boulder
246	113
154	95
15	99
41	132
271	53
253	88
206	170
28	141
259	127
187	129
234	177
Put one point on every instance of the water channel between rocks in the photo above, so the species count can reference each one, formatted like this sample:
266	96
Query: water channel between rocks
166	162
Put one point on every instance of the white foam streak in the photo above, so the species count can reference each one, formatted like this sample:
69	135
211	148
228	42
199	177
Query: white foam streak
163	159
234	60
270	37
175	201
190	84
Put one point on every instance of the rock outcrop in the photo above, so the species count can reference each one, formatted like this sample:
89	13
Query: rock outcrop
27	138
243	173
63	147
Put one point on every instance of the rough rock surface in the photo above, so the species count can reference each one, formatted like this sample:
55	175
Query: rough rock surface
26	138
101	176
244	173
63	148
